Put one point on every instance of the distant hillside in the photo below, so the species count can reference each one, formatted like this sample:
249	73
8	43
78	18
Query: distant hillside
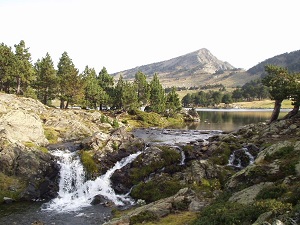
289	60
193	69
201	68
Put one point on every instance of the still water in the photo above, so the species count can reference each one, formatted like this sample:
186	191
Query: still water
230	119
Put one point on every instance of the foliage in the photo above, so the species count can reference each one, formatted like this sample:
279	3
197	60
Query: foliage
153	190
115	123
143	88
271	192
228	213
70	83
157	95
88	162
51	135
175	219
142	217
46	83
173	104
10	187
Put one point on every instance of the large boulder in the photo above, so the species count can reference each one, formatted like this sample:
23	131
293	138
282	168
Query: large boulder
21	126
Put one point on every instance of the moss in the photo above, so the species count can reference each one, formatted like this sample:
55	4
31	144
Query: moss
29	144
281	153
51	135
228	213
155	189
271	192
10	187
88	162
221	155
142	217
175	219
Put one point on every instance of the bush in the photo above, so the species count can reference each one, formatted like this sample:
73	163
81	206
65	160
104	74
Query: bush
271	192
143	217
88	162
228	213
154	190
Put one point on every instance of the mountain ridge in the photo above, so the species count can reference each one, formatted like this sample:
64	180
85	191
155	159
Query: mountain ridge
200	61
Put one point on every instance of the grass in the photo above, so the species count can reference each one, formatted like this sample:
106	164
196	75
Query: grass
10	187
182	218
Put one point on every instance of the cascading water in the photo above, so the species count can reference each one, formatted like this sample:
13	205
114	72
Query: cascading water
74	193
235	158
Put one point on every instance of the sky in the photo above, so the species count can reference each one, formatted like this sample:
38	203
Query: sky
123	34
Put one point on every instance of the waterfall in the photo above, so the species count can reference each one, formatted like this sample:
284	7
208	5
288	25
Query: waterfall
75	193
237	156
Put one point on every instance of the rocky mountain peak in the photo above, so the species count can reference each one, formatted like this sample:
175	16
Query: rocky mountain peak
201	61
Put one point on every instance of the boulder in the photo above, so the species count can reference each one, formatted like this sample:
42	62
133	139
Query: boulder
20	126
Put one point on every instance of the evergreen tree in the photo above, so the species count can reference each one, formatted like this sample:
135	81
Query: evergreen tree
92	91
117	99
157	96
143	88
187	100
278	80
7	68
70	83
24	73
172	102
106	82
129	96
46	83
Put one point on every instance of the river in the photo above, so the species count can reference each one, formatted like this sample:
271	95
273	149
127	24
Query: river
55	212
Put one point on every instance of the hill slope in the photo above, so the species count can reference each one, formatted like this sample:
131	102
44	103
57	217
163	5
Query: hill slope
289	60
193	69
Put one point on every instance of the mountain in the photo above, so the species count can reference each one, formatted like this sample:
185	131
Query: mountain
193	69
201	68
289	60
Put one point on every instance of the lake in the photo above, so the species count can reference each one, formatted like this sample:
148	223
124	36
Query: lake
230	119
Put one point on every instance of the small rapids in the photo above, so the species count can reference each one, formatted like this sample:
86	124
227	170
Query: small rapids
76	193
241	158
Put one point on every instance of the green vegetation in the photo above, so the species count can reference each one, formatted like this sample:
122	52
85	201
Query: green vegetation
10	187
88	162
142	217
179	218
155	189
51	135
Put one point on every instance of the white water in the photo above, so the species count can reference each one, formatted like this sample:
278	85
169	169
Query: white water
232	159
74	193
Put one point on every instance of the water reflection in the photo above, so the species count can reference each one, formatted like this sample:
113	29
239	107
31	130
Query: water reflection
229	120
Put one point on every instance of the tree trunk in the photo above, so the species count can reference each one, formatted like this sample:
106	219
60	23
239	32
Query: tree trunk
292	113
62	104
18	85
67	105
276	111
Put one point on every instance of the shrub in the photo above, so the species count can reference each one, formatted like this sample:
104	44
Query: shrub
143	217
271	192
115	123
88	162
154	190
228	213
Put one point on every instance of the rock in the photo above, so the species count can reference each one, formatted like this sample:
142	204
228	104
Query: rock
277	222
99	199
248	195
8	200
96	141
20	126
262	218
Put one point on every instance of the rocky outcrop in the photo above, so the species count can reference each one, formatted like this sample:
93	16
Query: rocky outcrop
185	199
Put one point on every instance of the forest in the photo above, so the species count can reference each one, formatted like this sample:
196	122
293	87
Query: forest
89	89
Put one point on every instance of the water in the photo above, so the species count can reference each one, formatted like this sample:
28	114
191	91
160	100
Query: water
76	193
72	206
230	119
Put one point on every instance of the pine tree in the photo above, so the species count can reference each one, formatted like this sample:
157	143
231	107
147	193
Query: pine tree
46	83
157	96
7	68
278	80
24	74
93	91
173	104
106	82
70	83
143	88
